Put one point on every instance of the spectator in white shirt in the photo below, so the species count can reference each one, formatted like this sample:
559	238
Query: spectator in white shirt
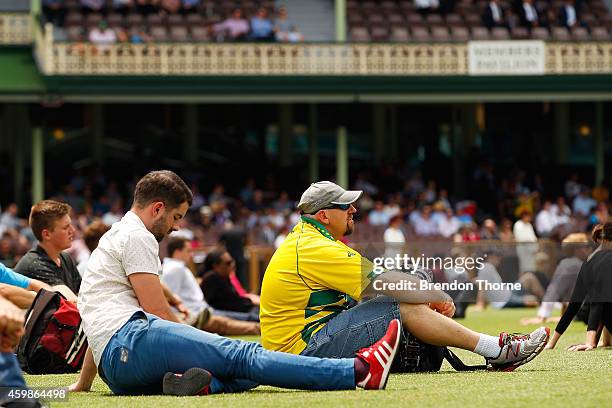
529	14
103	36
567	14
526	239
426	6
546	220
394	237
561	211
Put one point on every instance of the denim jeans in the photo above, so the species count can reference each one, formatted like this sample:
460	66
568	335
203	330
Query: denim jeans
10	373
354	329
146	347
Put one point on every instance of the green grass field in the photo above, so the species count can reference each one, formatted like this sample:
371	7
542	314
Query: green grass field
555	378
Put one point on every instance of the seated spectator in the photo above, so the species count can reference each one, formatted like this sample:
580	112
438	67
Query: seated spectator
568	15
262	28
545	221
502	298
91	236
147	6
170	6
489	230
529	14
180	280
493	15
102	35
92	5
54	11
282	25
394	237
217	286
561	211
122	6
600	193
50	221
423	223
190	6
448	224
378	216
426	6
140	36
576	248
9	221
234	28
583	203
506	234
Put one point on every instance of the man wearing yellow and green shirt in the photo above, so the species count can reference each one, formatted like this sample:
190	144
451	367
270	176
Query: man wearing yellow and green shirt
313	279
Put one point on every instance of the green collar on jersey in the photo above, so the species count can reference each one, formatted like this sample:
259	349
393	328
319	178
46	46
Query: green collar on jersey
320	227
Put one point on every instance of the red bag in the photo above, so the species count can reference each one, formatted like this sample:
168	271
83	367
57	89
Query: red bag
54	341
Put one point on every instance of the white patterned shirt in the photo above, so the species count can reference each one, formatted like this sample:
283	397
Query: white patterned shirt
107	299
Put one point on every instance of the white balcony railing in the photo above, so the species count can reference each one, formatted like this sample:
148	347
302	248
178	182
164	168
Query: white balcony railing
15	28
65	58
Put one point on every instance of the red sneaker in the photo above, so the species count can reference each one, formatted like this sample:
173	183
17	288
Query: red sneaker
380	356
195	381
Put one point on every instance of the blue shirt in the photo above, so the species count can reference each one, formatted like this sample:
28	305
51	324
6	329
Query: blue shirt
261	28
10	277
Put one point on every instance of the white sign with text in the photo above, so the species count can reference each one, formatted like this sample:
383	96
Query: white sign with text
506	57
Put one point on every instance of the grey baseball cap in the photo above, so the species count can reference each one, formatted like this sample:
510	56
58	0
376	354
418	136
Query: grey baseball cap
325	193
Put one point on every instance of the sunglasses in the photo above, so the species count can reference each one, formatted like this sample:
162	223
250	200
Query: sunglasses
342	207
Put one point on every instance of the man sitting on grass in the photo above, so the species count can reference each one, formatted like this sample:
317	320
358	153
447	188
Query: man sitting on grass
138	345
313	277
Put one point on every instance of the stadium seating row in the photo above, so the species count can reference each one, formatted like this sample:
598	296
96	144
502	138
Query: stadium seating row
443	34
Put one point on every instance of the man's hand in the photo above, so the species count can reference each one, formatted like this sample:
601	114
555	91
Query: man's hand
178	304
446	308
11	326
580	347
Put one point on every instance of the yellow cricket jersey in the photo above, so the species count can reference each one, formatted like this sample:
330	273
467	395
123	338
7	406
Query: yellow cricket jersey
309	280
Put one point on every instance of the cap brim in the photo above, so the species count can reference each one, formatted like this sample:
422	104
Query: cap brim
348	197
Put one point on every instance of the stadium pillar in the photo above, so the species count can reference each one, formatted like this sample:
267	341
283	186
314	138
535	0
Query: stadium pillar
379	131
458	152
393	142
97	133
38	165
342	165
285	134
341	21
599	143
190	146
313	144
561	131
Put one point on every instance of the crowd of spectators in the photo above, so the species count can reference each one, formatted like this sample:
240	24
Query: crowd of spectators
511	209
144	21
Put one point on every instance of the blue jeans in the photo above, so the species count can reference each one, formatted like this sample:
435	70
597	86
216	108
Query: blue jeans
10	373
354	329
10	376
146	347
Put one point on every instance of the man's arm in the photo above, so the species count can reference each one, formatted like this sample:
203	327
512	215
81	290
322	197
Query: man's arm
87	375
174	300
37	285
150	294
21	298
11	325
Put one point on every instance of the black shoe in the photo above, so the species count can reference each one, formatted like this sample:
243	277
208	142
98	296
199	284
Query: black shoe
195	381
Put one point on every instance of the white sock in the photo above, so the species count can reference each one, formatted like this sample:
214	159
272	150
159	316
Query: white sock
488	346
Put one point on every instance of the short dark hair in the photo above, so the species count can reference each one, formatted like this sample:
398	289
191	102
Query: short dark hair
44	213
162	185
213	258
92	234
176	244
